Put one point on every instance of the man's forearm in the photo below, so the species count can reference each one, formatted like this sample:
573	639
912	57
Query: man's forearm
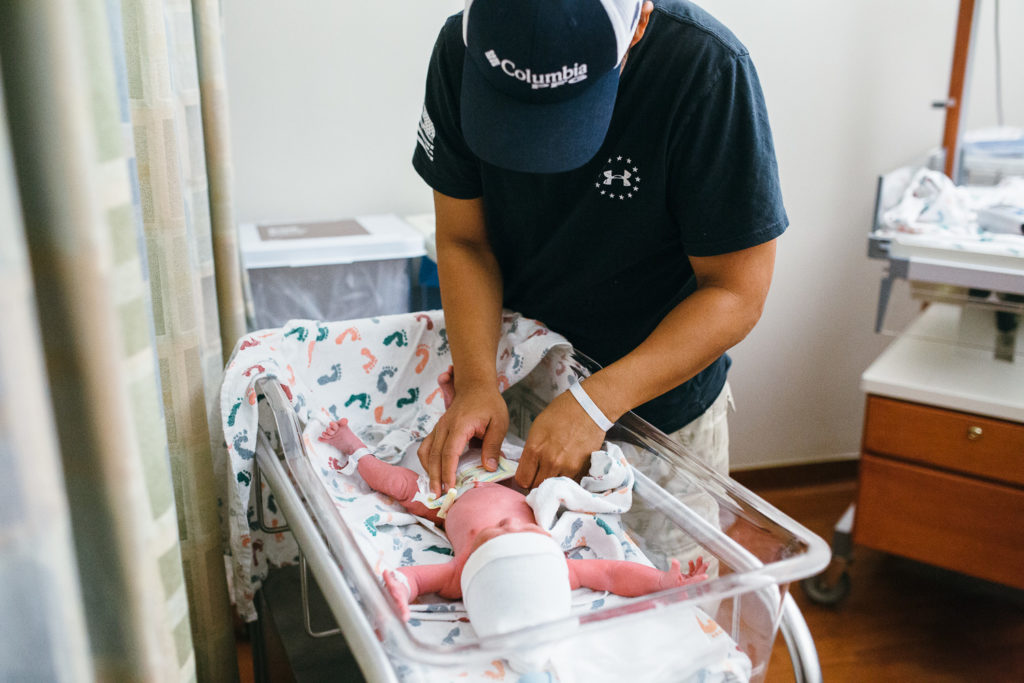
471	290
471	296
691	337
698	330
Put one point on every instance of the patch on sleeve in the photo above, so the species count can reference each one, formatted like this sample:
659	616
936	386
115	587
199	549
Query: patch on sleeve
425	134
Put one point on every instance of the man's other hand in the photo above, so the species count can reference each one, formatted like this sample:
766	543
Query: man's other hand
560	442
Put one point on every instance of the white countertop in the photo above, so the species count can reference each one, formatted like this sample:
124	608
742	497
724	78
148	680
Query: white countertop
946	358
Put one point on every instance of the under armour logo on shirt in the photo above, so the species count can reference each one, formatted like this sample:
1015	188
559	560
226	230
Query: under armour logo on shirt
624	177
619	179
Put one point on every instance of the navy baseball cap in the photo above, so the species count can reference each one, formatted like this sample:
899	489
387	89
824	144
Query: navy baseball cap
540	78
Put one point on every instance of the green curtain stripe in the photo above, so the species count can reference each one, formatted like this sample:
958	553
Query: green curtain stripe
74	170
164	100
38	569
119	137
57	152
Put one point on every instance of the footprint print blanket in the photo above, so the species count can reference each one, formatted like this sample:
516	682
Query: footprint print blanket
380	373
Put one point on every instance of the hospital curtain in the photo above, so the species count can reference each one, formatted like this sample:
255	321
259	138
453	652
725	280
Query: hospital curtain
43	627
167	114
118	188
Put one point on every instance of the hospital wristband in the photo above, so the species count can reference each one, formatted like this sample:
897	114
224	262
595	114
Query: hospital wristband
590	407
353	460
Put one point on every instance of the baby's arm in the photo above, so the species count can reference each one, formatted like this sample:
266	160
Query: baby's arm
632	579
418	580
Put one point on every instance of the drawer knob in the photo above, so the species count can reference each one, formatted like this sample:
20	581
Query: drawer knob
974	433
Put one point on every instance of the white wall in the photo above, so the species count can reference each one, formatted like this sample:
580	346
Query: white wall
325	96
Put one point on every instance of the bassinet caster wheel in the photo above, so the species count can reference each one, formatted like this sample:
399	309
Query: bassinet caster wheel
832	585
821	591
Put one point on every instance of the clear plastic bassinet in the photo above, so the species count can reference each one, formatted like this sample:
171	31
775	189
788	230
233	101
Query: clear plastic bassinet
756	552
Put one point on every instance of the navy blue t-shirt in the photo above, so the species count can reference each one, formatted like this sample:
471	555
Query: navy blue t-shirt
599	254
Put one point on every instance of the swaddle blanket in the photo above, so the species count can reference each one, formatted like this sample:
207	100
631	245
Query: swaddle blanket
585	518
932	211
380	373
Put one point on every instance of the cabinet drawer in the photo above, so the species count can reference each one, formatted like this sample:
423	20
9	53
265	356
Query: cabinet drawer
957	441
969	526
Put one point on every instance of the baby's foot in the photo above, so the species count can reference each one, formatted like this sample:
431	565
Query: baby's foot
698	570
674	577
399	590
341	436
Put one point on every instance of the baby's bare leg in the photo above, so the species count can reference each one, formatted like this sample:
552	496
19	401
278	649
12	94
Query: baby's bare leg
396	481
400	483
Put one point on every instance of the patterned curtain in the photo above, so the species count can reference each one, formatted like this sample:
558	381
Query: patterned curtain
42	620
167	119
117	187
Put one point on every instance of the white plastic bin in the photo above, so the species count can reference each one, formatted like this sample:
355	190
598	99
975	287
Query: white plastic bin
331	269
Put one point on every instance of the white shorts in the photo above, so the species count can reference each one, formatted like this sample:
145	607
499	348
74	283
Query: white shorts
707	439
707	436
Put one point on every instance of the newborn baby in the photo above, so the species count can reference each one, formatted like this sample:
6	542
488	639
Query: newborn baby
508	571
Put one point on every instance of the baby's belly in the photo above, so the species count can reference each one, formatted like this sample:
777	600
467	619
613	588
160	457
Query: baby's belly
490	502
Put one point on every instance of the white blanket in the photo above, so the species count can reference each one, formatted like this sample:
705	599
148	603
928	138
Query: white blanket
381	373
931	211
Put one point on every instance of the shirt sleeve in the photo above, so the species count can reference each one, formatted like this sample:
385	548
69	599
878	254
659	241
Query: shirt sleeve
442	157
723	176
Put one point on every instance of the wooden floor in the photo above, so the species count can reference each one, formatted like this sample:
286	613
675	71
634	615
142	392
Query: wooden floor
901	621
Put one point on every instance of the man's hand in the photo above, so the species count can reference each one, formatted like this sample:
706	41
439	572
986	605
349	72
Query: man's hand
478	412
559	443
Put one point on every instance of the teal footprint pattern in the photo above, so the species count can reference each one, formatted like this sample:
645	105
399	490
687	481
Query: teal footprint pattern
440	550
333	376
234	413
399	338
242	438
382	379
413	395
300	333
362	399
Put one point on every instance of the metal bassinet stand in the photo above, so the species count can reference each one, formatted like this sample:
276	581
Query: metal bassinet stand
753	589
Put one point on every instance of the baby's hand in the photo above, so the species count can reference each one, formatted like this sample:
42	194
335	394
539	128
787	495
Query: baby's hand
674	577
399	591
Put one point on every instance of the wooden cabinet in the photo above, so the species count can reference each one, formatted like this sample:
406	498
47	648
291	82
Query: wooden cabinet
943	487
960	442
942	457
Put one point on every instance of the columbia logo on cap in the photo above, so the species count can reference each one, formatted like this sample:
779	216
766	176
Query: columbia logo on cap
553	79
540	77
